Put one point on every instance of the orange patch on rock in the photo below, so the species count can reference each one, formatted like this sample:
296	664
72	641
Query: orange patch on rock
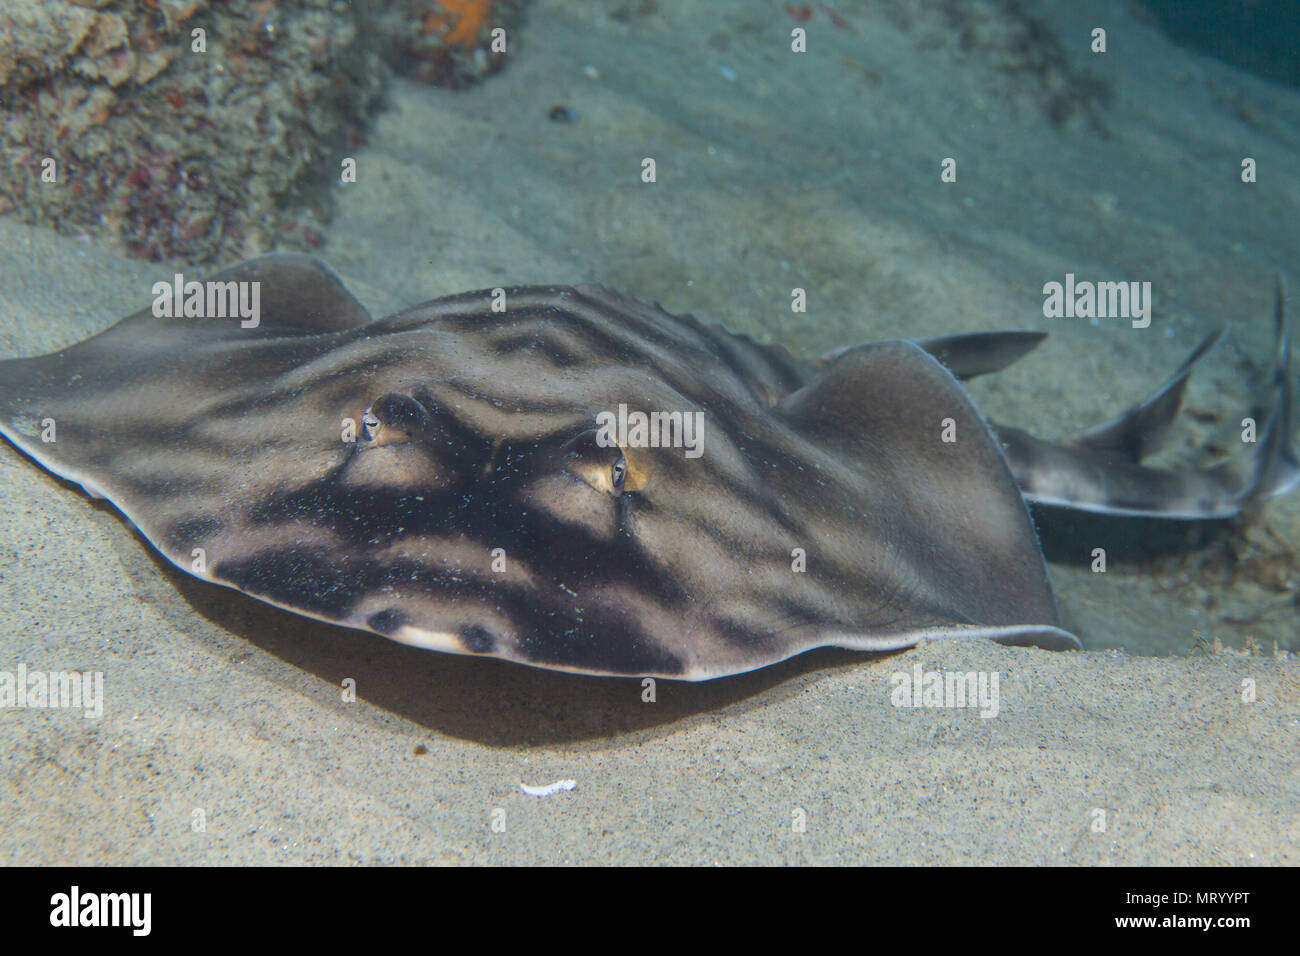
462	19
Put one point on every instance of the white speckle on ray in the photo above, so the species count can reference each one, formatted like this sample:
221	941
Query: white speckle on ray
27	425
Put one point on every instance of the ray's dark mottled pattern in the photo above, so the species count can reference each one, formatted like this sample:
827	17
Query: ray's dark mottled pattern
470	509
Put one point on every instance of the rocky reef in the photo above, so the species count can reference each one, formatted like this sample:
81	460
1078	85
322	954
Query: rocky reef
209	129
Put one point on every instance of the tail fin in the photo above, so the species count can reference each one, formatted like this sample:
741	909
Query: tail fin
1281	472
1100	470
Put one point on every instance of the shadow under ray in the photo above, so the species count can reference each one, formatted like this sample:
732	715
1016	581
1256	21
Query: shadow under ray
1069	537
488	701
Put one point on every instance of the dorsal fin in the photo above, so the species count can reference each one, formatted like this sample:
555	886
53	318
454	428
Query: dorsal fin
1142	429
1103	475
967	354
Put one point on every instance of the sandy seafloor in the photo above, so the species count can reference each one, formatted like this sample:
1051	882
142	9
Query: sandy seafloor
774	171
